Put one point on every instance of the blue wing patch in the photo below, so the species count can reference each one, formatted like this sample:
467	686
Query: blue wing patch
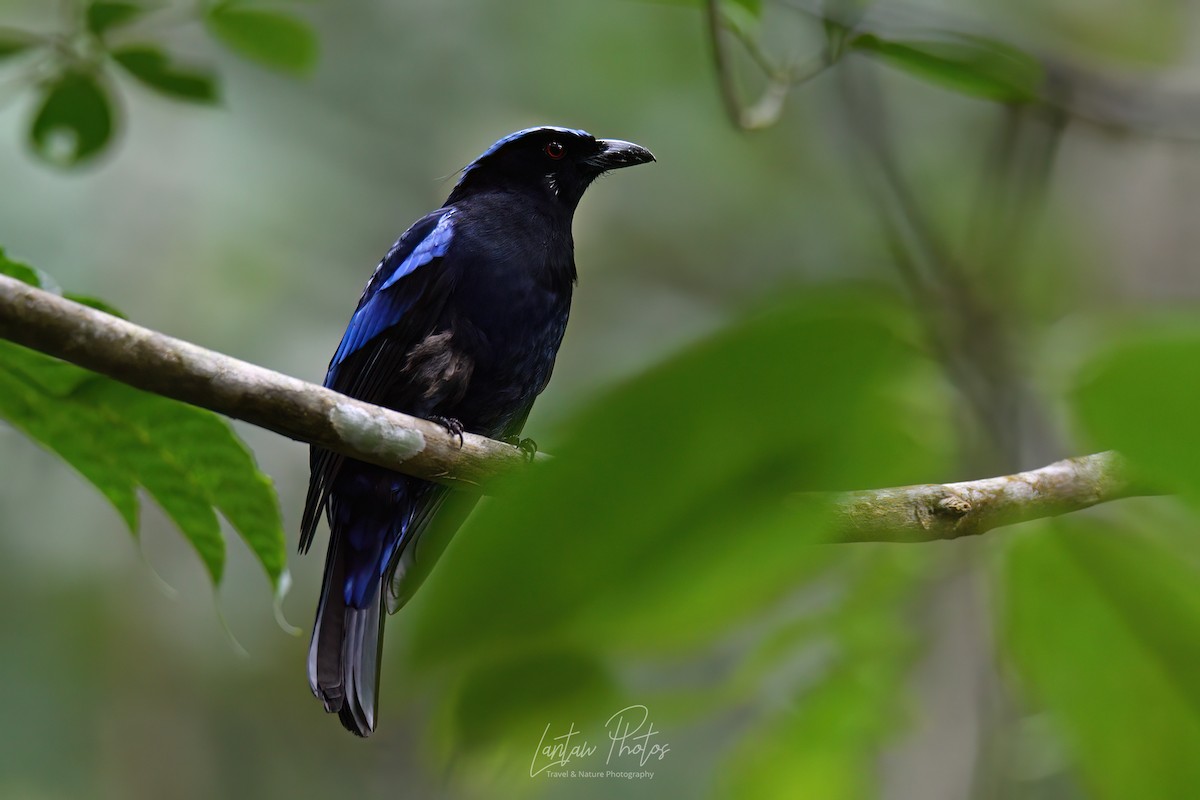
382	305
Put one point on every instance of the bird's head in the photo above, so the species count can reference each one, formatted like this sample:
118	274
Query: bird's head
556	163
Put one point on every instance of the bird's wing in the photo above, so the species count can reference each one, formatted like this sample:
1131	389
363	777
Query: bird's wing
391	297
404	298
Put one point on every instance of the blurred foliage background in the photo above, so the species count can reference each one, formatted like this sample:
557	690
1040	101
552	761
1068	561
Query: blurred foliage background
963	245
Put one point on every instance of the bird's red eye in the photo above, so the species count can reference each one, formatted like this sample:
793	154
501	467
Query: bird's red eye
555	150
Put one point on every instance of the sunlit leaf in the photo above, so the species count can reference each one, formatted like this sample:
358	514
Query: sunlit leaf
153	67
268	37
75	120
1099	624
1142	397
104	15
968	64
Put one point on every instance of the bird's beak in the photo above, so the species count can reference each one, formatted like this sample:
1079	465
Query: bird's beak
615	154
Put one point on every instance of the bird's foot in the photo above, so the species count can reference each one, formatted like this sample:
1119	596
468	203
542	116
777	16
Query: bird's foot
527	446
453	426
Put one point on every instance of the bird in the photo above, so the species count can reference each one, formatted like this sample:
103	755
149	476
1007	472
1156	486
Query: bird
459	324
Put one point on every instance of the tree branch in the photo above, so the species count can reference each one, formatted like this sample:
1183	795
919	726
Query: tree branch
303	411
309	413
952	510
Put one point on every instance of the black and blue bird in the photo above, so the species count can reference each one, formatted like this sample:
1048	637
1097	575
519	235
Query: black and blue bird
460	324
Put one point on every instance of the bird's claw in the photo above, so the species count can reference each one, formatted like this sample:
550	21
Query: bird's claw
453	426
527	446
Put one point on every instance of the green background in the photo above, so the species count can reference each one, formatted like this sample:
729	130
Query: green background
740	333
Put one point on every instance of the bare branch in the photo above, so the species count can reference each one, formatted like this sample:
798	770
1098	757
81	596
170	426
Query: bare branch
304	411
949	511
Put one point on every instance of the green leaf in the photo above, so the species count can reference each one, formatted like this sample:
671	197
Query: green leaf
104	15
967	64
75	120
627	536
669	521
1100	624
1142	396
22	272
275	40
31	400
120	439
153	67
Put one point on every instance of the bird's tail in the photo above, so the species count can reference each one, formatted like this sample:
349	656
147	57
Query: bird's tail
343	657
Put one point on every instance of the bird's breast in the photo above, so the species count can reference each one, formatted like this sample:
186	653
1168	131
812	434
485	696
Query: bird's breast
510	325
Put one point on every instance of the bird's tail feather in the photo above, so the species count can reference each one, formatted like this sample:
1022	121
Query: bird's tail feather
343	657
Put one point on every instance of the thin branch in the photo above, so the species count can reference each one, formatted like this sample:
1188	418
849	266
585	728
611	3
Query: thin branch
952	510
725	79
309	413
765	111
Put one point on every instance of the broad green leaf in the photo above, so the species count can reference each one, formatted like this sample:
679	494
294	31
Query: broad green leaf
669	519
153	67
104	15
1142	396
29	403
75	120
1099	624
666	494
120	438
968	64
50	376
270	38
